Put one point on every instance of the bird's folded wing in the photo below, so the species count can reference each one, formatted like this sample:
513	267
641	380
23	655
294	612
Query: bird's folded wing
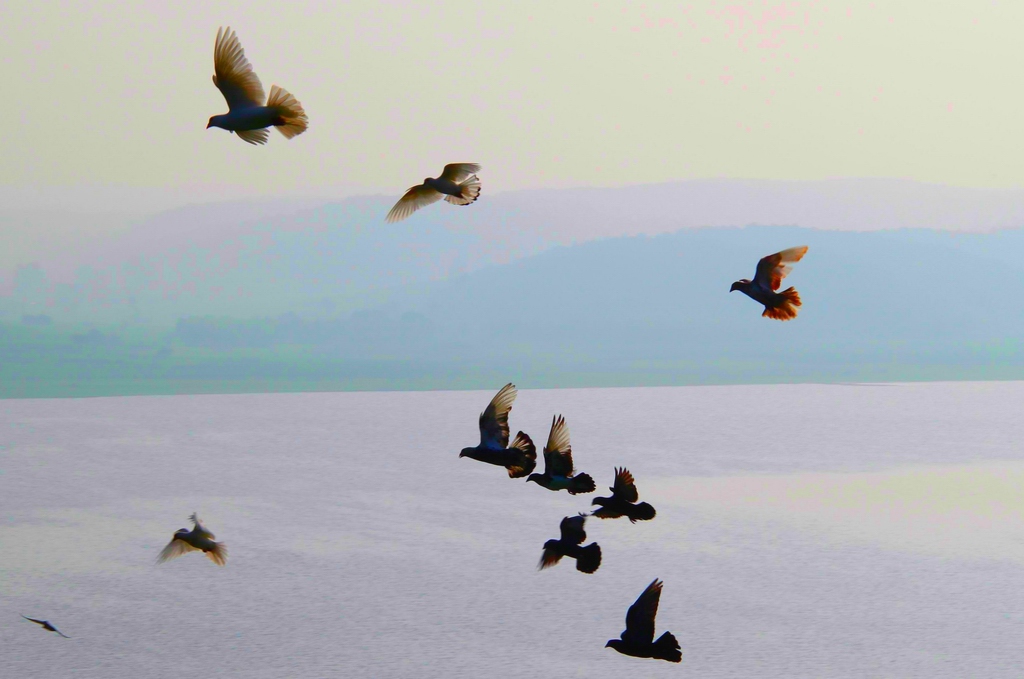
233	74
494	430
625	488
456	172
773	268
558	452
174	549
416	197
640	617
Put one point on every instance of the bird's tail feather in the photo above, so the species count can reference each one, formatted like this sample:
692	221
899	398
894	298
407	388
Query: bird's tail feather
470	192
667	648
293	120
641	512
582	483
527	461
219	553
589	558
785	307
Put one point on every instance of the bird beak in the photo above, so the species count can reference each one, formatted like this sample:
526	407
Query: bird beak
462	455
608	644
207	125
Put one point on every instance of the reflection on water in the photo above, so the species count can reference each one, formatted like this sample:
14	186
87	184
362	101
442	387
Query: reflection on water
802	531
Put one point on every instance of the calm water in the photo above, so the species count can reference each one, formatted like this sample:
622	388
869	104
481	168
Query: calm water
802	531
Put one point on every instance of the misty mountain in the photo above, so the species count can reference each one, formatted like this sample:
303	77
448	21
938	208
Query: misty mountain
262	258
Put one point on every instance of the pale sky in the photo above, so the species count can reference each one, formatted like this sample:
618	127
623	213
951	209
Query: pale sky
543	94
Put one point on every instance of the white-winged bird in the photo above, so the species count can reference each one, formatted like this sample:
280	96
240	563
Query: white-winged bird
623	500
767	279
185	541
638	637
45	624
558	467
458	184
588	558
521	457
247	115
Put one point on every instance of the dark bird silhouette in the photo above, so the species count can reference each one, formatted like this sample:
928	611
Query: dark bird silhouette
185	541
588	558
623	500
45	624
638	637
767	279
558	467
521	457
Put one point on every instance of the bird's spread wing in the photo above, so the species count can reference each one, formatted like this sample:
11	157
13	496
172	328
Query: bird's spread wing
549	558
416	197
174	549
200	528
456	172
38	622
773	268
572	529
558	452
233	74
624	488
640	616
256	137
494	420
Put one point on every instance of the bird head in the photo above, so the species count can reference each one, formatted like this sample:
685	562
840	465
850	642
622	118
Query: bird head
599	501
181	531
614	643
739	285
209	123
534	477
465	452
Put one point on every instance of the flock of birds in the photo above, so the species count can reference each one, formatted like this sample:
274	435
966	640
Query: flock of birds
250	115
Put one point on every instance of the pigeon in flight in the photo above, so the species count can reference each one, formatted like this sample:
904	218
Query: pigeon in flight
45	624
638	638
558	468
588	558
247	115
623	500
185	541
521	457
770	272
458	185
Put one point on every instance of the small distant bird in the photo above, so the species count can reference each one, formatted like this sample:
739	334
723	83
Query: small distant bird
638	638
588	558
247	115
767	279
623	499
558	467
521	457
45	624
458	185
185	541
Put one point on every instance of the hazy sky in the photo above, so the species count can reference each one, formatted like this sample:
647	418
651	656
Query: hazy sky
543	94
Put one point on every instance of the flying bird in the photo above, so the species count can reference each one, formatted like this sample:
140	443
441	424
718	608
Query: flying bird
588	558
558	467
45	624
521	457
458	184
247	115
767	279
638	637
623	500
185	541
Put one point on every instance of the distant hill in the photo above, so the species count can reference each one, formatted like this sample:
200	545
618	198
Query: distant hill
638	310
252	259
